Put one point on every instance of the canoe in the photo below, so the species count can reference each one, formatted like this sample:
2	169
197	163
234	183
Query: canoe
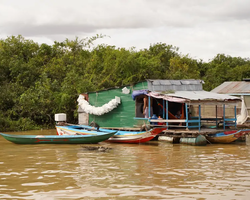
80	130
227	136
121	136
58	139
200	140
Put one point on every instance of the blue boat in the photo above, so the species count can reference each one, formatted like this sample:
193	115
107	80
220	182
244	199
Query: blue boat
227	137
122	136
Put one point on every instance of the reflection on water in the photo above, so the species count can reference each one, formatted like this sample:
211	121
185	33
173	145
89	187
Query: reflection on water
156	170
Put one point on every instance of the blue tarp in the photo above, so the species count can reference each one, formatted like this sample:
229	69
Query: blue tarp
136	93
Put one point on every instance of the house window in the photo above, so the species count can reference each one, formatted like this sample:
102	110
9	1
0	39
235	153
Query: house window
157	109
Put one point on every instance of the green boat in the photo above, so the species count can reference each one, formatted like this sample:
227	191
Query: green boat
58	139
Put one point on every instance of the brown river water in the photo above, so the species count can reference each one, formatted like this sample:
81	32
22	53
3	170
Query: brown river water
155	170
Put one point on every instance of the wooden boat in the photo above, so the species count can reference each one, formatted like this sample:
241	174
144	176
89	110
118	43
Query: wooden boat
58	139
135	136
80	130
122	136
227	136
200	140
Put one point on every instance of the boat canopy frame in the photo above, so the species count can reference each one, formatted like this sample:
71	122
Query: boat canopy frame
194	123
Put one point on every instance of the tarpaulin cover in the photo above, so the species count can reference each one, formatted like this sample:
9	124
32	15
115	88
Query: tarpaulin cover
136	93
165	97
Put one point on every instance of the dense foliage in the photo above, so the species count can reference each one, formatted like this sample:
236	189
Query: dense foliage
37	81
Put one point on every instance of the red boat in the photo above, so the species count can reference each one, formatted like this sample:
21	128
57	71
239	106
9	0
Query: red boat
135	136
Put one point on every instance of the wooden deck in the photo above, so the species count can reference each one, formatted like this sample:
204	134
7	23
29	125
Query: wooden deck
182	132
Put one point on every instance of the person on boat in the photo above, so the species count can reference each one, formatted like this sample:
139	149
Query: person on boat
190	110
145	107
178	116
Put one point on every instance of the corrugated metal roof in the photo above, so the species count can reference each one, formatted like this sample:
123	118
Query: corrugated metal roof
233	87
175	85
201	96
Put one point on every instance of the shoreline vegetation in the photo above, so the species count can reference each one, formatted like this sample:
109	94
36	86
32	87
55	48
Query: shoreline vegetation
38	80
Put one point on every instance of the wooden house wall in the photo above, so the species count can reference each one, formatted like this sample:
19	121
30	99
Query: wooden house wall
123	115
247	102
209	111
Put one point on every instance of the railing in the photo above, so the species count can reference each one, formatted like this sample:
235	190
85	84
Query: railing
229	122
225	121
184	121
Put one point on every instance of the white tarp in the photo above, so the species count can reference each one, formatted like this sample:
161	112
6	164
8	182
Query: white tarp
185	96
87	108
243	114
203	96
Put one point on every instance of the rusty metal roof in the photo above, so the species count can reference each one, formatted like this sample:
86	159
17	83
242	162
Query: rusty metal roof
233	87
175	85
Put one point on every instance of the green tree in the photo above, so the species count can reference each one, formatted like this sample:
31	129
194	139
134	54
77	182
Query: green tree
183	68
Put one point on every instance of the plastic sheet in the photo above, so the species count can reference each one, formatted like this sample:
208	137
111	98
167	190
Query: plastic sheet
87	108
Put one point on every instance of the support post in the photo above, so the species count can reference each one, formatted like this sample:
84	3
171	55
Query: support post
149	107
235	116
186	107
224	123
163	109
199	117
167	113
216	108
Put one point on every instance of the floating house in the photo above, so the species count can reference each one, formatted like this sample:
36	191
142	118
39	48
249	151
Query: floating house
240	89
123	106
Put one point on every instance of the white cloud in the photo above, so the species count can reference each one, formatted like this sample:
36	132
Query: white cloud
199	28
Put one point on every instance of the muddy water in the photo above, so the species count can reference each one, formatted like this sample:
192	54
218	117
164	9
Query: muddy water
156	170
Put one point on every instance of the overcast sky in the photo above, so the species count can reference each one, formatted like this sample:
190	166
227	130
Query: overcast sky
200	28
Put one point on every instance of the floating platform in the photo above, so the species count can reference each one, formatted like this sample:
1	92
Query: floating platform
181	132
194	137
200	140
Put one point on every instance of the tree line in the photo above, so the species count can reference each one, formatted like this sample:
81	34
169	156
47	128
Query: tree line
39	80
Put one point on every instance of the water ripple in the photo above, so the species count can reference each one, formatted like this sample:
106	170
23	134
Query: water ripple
154	171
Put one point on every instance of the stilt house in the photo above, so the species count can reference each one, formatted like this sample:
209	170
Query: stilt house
239	89
123	106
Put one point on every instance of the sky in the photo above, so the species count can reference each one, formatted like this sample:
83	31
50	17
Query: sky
200	29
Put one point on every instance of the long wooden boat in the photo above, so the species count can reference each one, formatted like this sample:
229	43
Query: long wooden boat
80	130
227	136
58	139
122	136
